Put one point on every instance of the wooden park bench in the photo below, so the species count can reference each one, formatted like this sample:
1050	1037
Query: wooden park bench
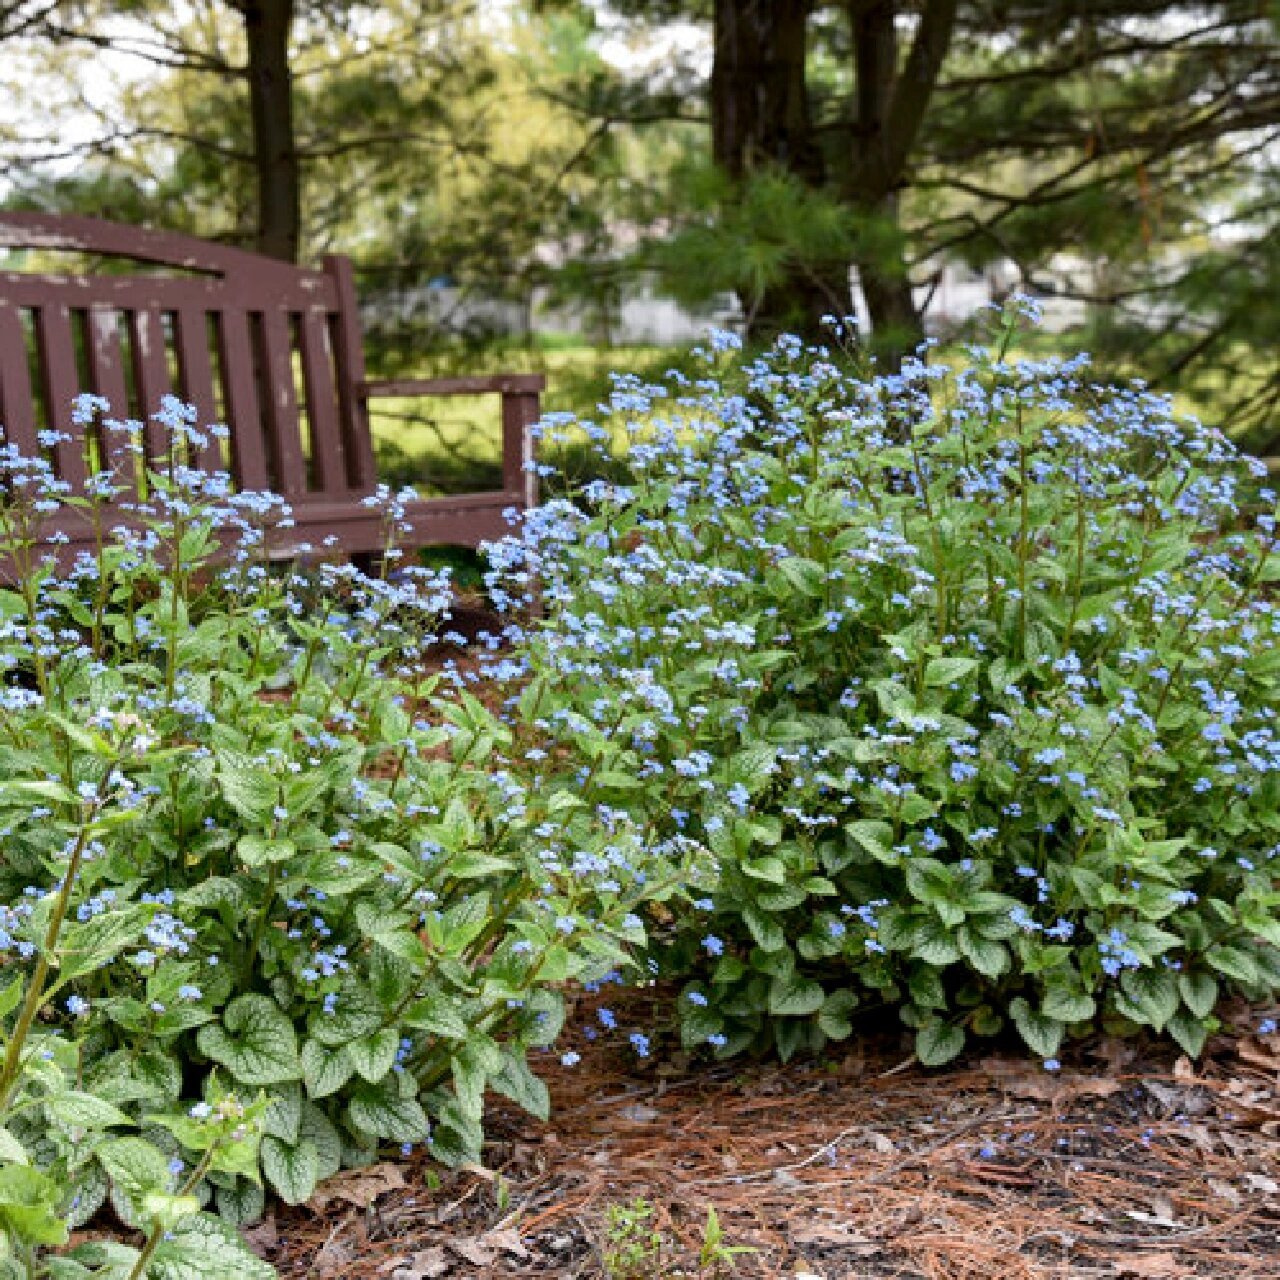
270	349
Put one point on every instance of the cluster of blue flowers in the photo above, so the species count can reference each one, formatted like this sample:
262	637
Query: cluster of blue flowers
954	673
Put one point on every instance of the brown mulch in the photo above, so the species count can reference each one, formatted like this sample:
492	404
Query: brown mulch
1128	1162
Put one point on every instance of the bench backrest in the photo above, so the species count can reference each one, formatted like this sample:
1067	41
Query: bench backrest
271	349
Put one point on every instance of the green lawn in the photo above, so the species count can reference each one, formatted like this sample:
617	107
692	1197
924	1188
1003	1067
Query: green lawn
450	444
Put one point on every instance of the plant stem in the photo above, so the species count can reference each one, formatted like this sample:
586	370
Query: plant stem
36	991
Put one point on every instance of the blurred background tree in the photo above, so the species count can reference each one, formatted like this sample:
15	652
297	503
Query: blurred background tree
800	157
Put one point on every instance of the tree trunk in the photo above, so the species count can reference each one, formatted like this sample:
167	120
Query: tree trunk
760	119
267	24
891	108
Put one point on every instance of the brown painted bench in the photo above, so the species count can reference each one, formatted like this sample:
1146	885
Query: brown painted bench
270	349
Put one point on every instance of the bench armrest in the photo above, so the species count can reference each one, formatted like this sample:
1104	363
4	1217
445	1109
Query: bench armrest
520	410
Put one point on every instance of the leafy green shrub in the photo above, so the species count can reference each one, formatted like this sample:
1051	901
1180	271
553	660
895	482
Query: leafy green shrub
62	1146
967	679
308	879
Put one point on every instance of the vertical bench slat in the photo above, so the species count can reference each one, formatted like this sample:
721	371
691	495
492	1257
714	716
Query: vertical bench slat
17	407
106	376
151	371
283	432
519	413
57	358
248	458
349	354
317	380
195	372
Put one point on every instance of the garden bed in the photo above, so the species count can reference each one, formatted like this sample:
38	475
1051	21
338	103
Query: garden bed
1128	1162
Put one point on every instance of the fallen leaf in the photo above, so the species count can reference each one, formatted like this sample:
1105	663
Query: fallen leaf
358	1187
507	1241
1061	1088
1160	1216
429	1264
1257	1182
820	1231
1156	1266
263	1238
334	1259
473	1250
639	1113
1225	1191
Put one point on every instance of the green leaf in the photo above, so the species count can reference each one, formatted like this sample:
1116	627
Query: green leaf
938	1042
292	1169
241	1203
1233	962
160	1209
134	1165
788	1036
318	1130
356	1014
252	791
476	866
85	1111
805	577
203	1248
26	790
382	1113
794	996
11	995
92	945
29	1203
874	837
945	671
932	943
11	1150
374	1055
1153	993
1262	924
784	898
260	851
217	891
772	870
439	1016
1189	1032
255	1042
517	1081
929	881
988	957
1199	992
1042	1033
462	924
834	1016
697	1023
283	1113
325	1069
766	931
1068	1004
